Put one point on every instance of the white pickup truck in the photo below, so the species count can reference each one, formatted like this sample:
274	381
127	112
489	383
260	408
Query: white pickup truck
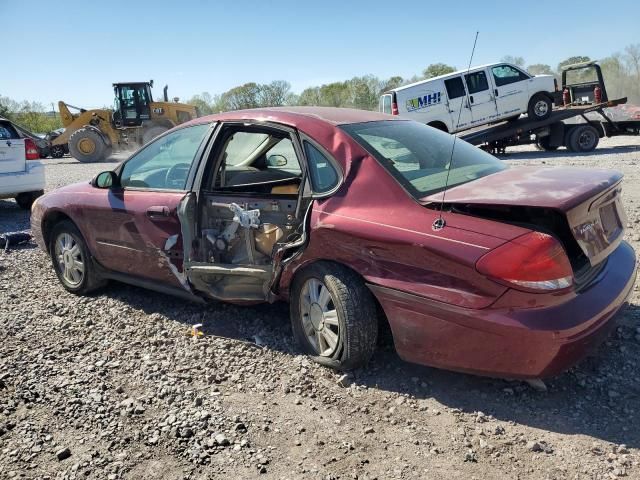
21	172
470	98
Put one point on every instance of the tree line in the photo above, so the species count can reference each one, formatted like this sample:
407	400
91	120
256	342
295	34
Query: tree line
31	115
621	73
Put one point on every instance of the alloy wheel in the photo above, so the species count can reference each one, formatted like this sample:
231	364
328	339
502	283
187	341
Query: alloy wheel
319	318
70	260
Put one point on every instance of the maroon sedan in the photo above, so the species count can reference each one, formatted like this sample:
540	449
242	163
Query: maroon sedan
515	272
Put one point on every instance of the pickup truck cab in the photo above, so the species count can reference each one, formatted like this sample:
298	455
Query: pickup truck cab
470	98
21	174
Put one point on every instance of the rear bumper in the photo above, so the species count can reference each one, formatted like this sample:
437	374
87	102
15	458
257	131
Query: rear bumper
30	180
510	342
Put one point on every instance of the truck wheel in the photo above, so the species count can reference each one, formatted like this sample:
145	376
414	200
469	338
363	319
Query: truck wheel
26	199
542	143
584	138
540	107
333	316
71	259
87	145
152	132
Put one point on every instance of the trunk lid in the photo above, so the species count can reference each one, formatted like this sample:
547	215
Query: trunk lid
590	200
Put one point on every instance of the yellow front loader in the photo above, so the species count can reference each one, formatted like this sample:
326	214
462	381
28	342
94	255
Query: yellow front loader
136	119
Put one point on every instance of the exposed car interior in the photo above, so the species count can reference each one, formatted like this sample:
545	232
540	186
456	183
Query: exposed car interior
248	210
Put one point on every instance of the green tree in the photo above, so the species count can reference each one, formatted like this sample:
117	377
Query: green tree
334	94
539	69
244	96
437	69
274	94
632	57
391	83
363	92
517	61
571	61
202	103
309	97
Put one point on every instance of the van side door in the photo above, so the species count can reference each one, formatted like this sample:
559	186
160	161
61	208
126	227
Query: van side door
511	90
481	99
459	109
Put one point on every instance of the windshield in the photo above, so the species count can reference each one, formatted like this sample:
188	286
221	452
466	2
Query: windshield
419	156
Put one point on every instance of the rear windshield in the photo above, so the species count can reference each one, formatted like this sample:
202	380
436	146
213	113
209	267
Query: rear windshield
583	75
419	156
7	131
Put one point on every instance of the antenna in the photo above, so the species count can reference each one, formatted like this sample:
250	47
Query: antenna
439	223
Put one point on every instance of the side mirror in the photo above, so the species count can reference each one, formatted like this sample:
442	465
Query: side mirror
106	179
276	161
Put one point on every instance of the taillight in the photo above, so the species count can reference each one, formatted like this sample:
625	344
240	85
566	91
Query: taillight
394	109
534	261
30	150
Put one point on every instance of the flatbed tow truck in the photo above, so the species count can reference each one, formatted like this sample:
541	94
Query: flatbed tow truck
569	124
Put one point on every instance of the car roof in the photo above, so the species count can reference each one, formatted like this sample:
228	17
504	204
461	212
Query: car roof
452	74
299	117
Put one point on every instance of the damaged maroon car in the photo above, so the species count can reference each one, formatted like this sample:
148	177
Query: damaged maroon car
514	272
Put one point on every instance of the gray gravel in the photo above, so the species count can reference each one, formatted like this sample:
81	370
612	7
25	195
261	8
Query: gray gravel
111	386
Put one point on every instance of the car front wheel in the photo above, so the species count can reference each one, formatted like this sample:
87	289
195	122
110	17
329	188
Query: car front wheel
71	259
333	316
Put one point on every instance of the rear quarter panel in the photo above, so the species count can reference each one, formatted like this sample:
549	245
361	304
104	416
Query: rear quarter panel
385	236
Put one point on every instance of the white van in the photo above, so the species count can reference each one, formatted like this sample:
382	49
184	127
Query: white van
466	99
21	174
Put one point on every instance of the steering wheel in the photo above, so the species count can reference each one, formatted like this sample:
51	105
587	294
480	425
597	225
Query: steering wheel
176	175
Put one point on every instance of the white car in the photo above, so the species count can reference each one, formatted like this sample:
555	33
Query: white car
469	98
21	174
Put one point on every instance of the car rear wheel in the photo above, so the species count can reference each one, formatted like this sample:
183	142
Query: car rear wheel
71	259
57	151
87	145
333	316
540	107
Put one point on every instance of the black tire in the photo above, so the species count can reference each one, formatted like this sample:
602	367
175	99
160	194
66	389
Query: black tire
542	143
26	199
57	151
87	145
584	138
90	279
152	132
439	126
355	310
540	107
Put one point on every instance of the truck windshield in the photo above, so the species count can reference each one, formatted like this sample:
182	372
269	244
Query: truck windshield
419	156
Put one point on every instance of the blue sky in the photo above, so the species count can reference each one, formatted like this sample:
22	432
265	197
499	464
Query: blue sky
74	50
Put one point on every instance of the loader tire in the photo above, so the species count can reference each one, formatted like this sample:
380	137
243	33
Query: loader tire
152	132
87	146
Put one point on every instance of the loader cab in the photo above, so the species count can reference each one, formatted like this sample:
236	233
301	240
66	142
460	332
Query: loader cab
132	104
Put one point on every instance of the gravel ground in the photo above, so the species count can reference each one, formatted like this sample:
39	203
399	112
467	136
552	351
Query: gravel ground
111	386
